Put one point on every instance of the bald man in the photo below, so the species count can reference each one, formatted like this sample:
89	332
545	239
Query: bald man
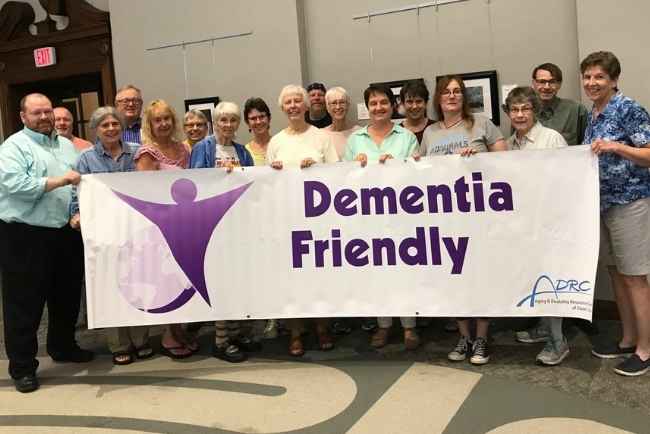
63	125
41	256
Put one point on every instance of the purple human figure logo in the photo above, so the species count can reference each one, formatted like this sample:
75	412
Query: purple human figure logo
187	227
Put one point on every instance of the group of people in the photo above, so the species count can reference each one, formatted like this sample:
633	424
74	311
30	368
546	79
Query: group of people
42	257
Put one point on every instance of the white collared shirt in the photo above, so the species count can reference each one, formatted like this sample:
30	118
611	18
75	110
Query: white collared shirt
539	137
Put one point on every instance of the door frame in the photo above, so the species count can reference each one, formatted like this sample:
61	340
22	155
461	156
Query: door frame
84	47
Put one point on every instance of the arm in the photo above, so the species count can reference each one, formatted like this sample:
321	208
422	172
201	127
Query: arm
499	145
146	162
639	156
636	124
14	175
82	168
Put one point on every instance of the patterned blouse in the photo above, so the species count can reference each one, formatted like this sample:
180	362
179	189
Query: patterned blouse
162	161
621	181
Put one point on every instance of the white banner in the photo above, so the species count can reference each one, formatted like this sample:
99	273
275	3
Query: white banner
496	234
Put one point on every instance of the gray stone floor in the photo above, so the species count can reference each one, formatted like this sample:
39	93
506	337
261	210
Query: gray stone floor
580	380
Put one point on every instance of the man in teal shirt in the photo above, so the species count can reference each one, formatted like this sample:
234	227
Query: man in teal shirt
40	255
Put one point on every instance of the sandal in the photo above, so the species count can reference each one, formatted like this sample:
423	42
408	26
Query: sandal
380	338
325	341
122	358
296	348
193	346
174	352
411	339
144	352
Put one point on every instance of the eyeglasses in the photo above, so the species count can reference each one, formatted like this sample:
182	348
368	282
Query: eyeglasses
338	103
127	101
195	125
551	82
455	92
524	110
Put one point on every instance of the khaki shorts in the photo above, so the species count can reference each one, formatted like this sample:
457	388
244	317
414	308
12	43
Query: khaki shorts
625	237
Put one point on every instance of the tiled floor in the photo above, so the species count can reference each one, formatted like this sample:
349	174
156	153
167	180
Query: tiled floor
351	389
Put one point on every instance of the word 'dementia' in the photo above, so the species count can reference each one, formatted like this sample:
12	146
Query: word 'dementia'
427	247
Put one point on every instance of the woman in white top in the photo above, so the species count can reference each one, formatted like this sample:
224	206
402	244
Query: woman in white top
301	145
337	102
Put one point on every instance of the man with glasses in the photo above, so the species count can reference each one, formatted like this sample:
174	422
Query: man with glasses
41	256
565	116
128	103
317	114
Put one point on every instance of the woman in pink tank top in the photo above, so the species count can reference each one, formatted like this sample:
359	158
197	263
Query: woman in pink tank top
162	149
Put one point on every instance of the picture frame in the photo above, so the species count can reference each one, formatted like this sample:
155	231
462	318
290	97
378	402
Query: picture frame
482	93
396	87
205	105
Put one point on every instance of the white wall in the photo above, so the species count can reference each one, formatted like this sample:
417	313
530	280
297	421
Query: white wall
622	28
511	36
233	69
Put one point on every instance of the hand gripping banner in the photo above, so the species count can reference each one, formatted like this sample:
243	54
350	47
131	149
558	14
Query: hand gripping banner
502	234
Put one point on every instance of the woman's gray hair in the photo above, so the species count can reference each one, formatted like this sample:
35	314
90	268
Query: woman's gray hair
194	113
523	95
337	91
102	113
293	89
226	108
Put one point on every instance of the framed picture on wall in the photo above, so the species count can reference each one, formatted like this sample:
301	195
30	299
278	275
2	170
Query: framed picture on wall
482	93
205	105
396	87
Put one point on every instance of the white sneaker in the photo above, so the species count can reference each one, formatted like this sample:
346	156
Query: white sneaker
553	353
533	336
480	352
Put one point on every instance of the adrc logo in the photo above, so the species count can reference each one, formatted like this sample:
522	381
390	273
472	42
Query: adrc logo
558	288
186	227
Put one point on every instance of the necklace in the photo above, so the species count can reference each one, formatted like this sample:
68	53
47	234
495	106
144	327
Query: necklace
452	125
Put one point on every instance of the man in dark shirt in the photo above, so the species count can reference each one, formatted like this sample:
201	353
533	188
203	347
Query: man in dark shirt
565	116
317	114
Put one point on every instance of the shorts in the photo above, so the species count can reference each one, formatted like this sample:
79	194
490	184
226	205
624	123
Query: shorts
625	237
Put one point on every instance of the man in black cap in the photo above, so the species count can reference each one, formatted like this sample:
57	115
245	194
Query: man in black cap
317	114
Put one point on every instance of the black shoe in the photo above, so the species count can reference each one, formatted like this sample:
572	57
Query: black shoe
229	352
76	355
247	344
26	384
339	327
611	350
633	366
369	325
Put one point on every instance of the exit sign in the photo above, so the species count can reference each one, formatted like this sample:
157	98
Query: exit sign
45	56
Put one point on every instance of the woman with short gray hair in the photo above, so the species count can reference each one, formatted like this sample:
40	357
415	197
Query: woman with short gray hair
109	155
195	126
337	102
522	106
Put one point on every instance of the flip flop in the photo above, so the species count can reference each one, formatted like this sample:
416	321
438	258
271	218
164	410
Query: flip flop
169	352
123	358
144	352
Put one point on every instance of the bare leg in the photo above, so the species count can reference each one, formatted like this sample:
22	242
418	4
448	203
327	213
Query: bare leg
482	325
624	305
463	328
638	293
